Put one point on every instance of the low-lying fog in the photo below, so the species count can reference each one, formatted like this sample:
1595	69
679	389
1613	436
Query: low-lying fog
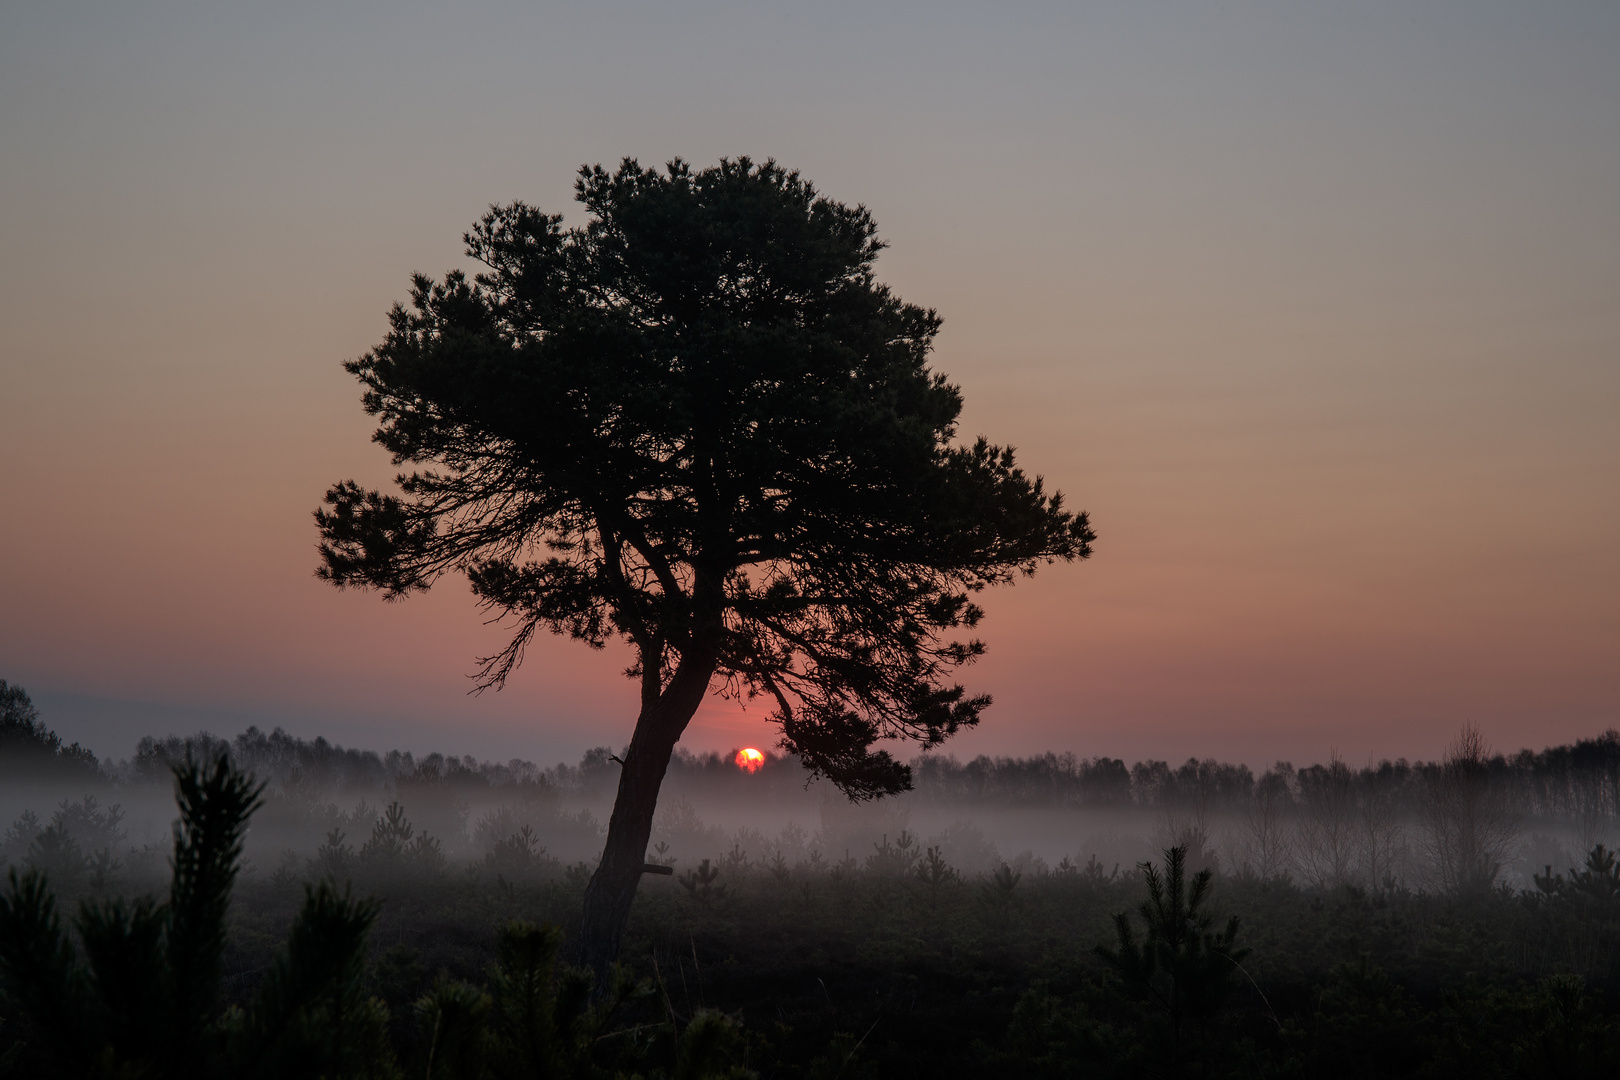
1473	817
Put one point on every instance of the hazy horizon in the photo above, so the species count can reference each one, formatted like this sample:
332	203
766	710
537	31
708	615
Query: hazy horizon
113	729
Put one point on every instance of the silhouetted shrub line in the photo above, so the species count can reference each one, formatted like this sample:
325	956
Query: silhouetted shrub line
1579	781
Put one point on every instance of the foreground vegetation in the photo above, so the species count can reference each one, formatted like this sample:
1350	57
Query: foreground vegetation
1313	922
892	964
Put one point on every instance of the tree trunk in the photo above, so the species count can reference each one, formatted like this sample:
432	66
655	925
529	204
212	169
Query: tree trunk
613	886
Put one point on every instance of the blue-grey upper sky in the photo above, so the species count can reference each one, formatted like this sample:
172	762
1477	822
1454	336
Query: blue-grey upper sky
1315	307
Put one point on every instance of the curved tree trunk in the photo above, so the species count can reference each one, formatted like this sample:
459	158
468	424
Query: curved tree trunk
613	886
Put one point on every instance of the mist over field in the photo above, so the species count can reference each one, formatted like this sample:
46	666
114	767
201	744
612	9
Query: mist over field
1459	915
341	812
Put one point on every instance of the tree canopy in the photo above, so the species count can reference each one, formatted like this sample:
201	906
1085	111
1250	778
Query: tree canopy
698	423
28	746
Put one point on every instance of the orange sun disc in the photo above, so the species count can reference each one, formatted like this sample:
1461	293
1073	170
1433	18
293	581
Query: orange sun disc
749	759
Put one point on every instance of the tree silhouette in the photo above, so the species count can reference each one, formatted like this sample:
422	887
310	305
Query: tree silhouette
698	424
29	748
1472	825
1180	966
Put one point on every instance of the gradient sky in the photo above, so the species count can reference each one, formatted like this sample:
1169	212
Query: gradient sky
1315	307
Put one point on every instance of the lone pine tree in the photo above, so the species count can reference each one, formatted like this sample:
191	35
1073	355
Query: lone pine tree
698	424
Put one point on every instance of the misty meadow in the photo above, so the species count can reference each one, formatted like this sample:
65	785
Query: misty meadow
1045	916
1225	405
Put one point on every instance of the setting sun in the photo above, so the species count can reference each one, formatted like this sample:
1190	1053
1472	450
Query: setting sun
749	759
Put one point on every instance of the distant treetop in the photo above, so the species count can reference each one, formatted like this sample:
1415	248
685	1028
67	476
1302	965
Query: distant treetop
28	746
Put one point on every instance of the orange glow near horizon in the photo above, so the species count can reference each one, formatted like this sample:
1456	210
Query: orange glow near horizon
749	760
1328	358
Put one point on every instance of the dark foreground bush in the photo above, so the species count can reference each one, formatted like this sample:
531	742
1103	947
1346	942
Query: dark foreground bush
137	989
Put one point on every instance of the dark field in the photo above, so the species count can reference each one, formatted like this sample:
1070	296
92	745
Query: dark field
903	977
1390	921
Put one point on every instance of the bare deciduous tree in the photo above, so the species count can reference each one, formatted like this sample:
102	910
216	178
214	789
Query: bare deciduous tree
1268	843
1592	799
1327	827
1470	823
1380	838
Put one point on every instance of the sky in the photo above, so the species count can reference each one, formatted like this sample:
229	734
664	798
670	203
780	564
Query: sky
1314	307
